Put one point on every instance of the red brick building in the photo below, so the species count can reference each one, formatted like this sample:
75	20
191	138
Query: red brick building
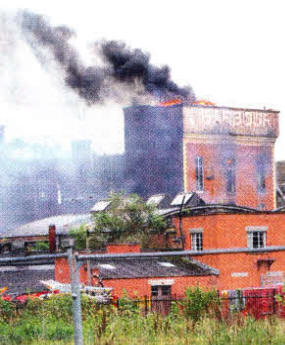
229	155
142	276
224	154
247	246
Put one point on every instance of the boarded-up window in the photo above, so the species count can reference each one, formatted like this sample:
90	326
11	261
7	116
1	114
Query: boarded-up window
261	174
230	175
199	173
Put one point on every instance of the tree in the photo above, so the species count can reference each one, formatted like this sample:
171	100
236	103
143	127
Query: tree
128	219
79	235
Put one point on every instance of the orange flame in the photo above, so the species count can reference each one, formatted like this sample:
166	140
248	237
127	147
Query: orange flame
179	101
170	102
203	102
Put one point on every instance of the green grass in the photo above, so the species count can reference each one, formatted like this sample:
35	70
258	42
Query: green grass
50	323
153	329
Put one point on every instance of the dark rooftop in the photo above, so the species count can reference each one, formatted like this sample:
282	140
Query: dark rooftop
20	279
142	268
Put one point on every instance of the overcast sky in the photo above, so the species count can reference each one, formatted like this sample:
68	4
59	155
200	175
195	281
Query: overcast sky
230	52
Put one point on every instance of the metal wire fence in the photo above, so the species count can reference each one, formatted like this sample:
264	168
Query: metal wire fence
259	303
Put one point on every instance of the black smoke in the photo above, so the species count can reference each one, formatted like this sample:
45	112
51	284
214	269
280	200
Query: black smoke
128	65
122	64
86	81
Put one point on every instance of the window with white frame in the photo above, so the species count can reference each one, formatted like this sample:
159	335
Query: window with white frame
256	237
196	239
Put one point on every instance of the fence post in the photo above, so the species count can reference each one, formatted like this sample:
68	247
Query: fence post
77	317
70	263
273	301
76	298
145	304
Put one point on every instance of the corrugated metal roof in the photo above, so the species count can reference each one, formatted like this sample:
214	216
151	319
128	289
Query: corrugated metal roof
40	227
142	268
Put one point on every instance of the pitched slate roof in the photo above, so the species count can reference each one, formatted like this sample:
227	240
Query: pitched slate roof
19	279
142	268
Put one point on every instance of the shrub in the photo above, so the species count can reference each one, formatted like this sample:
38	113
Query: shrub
198	302
7	310
59	307
41	246
128	305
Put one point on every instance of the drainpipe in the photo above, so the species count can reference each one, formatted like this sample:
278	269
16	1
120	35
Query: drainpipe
182	237
88	251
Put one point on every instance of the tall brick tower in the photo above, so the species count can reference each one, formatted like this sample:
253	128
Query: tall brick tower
224	154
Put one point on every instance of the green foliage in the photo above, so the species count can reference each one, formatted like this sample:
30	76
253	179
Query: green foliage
129	218
79	235
198	302
40	246
280	298
49	322
7	310
59	307
127	305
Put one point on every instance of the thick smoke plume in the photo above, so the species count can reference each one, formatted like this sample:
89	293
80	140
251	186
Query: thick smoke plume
123	65
86	81
130	65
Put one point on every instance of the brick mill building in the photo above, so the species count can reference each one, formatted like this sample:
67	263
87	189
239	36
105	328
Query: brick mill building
223	160
224	154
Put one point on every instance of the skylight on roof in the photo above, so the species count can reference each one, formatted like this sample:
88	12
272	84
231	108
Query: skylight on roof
155	199
166	264
181	198
107	266
101	205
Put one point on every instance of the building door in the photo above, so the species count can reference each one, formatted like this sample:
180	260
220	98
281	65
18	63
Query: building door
161	299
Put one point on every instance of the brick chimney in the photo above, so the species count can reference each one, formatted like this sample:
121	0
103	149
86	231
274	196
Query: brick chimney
52	238
119	248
